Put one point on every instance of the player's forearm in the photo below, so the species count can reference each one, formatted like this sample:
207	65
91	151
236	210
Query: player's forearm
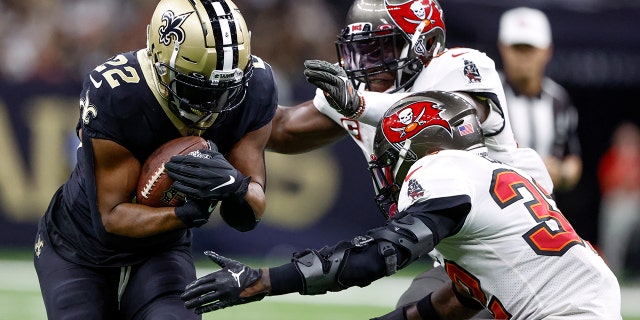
138	221
301	129
376	104
283	279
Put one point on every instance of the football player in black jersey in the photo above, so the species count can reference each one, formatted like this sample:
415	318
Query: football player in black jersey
99	254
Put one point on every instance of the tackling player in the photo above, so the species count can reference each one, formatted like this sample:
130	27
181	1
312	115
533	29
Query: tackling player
502	239
387	51
99	255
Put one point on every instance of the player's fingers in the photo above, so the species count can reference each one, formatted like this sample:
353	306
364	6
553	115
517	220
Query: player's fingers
182	159
212	153
209	308
204	289
218	259
179	172
212	146
201	300
321	76
187	185
326	86
322	65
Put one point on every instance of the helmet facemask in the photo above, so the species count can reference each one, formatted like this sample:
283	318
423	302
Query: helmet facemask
367	55
197	97
384	170
408	34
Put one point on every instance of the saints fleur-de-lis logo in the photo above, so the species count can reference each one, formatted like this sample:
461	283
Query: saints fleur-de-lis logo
38	247
172	27
88	110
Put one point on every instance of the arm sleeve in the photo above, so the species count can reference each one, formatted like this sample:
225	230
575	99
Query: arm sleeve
360	265
285	279
376	104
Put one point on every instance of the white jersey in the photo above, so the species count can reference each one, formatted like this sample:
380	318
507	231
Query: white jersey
515	252
458	69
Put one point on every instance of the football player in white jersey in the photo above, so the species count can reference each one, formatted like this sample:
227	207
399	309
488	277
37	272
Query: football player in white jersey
421	63
388	50
503	242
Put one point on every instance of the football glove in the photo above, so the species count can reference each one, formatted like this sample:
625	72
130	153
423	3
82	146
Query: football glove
221	288
338	90
207	175
195	212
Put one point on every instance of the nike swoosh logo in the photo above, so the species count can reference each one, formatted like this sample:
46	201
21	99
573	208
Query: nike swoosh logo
458	54
96	84
212	207
231	180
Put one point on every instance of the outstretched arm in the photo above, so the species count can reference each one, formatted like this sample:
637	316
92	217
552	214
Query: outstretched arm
358	262
302	128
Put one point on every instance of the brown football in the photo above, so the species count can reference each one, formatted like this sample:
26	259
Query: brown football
154	185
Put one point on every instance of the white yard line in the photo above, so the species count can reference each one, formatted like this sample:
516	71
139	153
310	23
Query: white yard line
20	276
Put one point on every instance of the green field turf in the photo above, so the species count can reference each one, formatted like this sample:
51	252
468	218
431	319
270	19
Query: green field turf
20	298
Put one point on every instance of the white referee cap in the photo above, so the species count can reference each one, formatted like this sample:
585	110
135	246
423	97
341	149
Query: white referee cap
525	26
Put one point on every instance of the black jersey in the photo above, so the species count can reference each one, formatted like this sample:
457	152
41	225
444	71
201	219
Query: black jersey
117	103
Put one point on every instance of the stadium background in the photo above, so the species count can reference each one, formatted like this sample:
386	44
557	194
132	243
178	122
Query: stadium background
316	198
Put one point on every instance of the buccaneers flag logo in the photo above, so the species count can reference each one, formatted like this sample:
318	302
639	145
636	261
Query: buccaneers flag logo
411	120
410	14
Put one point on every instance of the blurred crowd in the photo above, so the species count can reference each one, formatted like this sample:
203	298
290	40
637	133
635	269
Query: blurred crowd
60	40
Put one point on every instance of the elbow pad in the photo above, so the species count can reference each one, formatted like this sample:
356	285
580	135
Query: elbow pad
365	258
409	233
349	263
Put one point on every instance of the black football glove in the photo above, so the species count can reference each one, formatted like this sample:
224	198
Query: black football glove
221	288
195	212
338	90
206	174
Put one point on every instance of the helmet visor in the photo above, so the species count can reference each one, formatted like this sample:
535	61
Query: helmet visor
369	55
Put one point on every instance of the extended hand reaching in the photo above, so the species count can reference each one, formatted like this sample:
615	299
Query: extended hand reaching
338	90
223	287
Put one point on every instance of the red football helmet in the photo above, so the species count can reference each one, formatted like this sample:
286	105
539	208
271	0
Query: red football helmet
391	37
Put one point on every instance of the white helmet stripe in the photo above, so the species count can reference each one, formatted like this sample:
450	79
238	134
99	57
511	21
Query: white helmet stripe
225	34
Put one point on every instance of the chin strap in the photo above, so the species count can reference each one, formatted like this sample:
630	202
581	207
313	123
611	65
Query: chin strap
401	156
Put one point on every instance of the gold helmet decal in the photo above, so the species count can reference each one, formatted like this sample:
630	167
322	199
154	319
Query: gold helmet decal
172	28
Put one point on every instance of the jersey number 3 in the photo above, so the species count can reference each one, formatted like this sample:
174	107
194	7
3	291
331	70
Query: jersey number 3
553	235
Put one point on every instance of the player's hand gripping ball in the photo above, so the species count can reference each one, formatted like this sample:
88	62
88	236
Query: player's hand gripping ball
154	185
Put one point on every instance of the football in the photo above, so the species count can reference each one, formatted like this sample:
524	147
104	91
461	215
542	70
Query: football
154	185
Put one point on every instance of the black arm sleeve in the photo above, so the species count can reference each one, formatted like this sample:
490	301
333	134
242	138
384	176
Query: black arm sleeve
444	216
361	264
237	213
285	279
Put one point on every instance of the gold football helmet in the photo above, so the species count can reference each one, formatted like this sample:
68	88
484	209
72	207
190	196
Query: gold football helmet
201	56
